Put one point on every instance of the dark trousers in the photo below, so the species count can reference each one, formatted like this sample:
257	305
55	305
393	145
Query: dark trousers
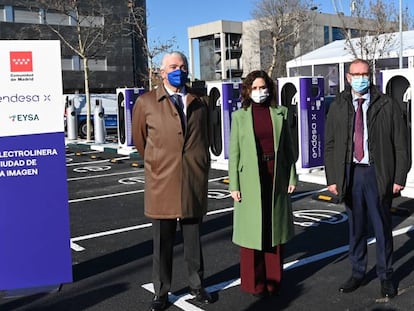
363	202
164	231
261	270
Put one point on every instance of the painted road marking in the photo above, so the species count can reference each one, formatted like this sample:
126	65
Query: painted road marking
83	152
105	196
181	301
315	216
78	248
92	168
97	161
103	175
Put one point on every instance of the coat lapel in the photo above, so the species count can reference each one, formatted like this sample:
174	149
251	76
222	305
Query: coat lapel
248	121
277	120
276	116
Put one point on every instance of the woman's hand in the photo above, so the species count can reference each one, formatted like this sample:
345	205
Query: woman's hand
291	188
236	195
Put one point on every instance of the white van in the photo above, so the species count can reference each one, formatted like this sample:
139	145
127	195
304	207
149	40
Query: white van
110	106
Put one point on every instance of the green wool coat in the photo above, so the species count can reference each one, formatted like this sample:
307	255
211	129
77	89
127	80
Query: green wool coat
244	176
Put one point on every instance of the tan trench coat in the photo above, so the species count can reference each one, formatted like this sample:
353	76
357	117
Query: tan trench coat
176	165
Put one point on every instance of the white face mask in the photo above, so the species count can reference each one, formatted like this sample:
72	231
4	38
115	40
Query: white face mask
259	96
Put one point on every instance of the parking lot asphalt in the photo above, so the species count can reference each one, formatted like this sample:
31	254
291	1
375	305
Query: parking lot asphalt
111	244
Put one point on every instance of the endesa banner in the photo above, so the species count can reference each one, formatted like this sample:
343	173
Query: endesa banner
34	215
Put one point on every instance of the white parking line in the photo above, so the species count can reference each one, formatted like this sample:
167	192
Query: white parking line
96	161
103	175
105	196
180	301
78	248
305	194
88	162
83	152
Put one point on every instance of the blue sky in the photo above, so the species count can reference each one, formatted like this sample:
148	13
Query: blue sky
167	19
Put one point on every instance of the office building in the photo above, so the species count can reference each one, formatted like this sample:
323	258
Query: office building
119	62
228	50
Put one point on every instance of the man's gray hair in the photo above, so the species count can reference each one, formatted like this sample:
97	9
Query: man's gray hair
176	53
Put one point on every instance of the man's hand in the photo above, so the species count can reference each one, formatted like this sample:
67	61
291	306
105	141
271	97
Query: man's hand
397	188
332	189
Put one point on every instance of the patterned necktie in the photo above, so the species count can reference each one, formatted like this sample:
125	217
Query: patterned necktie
180	108
359	131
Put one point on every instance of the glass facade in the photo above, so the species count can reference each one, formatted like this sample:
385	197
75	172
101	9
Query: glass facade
326	35
337	34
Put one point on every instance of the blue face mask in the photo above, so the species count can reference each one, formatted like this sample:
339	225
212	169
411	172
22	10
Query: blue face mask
360	84
177	78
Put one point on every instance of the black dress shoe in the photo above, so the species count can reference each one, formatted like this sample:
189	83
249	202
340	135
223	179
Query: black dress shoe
201	295
261	295
350	285
388	289
159	303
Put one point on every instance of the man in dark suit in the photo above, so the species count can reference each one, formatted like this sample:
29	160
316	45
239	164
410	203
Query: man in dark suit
366	163
170	130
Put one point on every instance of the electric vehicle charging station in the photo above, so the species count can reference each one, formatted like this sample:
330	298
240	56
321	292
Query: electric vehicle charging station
71	120
224	98
399	83
126	101
304	97
99	123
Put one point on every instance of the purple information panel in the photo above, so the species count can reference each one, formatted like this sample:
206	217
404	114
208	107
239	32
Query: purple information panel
34	222
34	216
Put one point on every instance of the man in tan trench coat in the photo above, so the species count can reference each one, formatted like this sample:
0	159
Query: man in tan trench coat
170	130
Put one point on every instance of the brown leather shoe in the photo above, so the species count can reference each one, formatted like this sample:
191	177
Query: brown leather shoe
261	295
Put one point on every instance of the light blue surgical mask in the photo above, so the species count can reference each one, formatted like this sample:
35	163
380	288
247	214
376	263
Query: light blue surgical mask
360	84
177	78
259	96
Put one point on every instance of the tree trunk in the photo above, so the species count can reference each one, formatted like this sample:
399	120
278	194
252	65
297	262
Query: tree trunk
88	100
274	58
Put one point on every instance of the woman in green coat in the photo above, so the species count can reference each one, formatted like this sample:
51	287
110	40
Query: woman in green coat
262	177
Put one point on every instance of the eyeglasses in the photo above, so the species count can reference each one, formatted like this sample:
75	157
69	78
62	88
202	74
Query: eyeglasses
359	75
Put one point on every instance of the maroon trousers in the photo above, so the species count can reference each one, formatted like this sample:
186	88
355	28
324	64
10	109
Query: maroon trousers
261	271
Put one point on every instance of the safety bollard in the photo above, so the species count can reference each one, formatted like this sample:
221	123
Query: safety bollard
99	123
71	120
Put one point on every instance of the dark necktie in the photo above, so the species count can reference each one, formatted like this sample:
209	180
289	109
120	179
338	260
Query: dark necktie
359	131
180	108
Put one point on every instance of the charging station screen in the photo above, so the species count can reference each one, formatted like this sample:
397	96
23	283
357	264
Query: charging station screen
312	121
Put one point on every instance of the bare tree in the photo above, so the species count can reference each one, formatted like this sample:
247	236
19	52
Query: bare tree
90	29
137	26
281	23
373	26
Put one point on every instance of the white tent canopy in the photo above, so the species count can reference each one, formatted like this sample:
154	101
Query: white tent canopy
336	51
324	60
